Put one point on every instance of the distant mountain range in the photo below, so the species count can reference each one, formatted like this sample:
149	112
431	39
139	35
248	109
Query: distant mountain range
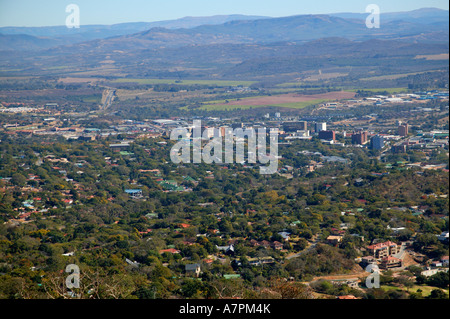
428	24
46	37
237	47
420	16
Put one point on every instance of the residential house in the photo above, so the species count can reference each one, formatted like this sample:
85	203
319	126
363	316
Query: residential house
352	282
444	261
259	261
277	245
430	272
285	235
382	250
390	262
436	263
134	193
367	260
443	236
228	250
254	243
334	240
193	269
170	250
265	243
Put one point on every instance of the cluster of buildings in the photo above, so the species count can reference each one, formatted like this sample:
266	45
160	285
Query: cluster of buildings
423	96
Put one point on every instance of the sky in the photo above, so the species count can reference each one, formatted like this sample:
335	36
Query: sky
53	12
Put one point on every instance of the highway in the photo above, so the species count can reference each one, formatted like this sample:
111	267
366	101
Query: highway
109	98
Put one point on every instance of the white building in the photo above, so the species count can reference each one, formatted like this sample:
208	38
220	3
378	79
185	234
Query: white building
321	127
443	236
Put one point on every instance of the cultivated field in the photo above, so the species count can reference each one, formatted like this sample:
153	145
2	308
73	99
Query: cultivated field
220	83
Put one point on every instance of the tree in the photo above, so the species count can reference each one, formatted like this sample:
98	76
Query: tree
437	294
440	280
18	179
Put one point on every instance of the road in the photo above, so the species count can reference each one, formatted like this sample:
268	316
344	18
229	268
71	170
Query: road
401	253
108	100
307	249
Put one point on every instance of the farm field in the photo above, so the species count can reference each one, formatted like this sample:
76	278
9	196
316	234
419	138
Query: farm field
219	83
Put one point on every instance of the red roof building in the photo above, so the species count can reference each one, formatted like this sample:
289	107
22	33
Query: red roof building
382	250
170	250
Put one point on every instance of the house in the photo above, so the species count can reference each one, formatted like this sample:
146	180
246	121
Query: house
170	250
131	263
254	243
229	250
436	264
277	245
284	235
443	236
444	261
72	253
259	261
192	269
430	272
382	250
265	243
334	240
390	262
352	282
134	193
367	260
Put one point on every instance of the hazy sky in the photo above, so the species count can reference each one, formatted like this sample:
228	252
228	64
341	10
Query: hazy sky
52	12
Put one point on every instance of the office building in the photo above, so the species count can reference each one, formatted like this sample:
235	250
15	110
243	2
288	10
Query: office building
295	126
360	137
327	135
377	142
403	130
320	127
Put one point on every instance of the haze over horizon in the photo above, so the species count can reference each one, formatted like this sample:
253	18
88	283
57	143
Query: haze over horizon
28	13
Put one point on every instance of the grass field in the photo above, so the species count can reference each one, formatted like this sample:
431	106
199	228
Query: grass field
426	290
220	83
243	106
294	101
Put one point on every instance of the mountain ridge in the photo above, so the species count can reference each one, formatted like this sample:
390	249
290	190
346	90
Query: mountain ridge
241	29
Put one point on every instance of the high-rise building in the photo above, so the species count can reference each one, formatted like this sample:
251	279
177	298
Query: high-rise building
398	149
303	125
327	135
403	130
320	127
295	126
377	142
360	137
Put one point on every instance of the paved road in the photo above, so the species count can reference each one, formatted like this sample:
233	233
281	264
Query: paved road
309	248
401	253
109	99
